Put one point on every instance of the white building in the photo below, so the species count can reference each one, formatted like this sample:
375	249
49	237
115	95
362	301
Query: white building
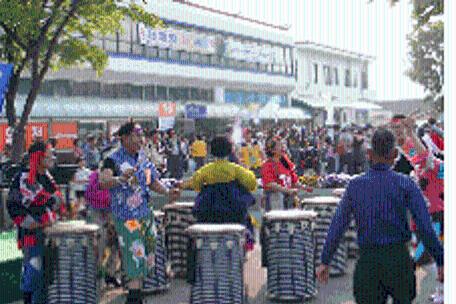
334	80
224	62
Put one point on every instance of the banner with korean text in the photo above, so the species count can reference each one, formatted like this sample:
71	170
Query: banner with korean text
35	130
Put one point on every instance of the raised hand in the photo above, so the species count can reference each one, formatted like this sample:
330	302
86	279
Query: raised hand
323	273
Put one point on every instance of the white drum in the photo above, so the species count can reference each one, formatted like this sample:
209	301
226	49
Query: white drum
290	254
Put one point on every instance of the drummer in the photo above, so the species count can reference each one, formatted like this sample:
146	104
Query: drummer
379	201
131	213
279	175
33	202
224	188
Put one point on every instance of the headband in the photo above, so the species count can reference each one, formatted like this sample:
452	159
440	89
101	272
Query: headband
35	159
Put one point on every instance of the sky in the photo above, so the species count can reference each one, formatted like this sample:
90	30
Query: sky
375	28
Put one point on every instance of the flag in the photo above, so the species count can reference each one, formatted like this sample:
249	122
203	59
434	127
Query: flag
6	70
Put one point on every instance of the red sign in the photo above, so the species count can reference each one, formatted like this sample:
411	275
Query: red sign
167	109
34	130
3	128
65	133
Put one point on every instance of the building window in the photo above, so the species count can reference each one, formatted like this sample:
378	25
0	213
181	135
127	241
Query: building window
151	52
327	75
150	93
184	56
315	78
205	59
364	81
25	85
161	93
355	80
174	55
347	78
163	54
195	57
88	88
336	76
296	70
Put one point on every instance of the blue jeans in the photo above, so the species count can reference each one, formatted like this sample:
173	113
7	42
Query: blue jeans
32	277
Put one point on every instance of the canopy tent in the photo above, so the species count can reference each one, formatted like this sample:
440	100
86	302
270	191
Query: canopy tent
292	113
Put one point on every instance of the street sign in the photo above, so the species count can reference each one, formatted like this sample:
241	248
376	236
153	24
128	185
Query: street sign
167	109
6	71
195	111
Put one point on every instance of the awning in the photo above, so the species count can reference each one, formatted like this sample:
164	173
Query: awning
222	110
292	113
360	105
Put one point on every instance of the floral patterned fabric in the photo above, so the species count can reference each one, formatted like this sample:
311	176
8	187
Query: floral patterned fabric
137	244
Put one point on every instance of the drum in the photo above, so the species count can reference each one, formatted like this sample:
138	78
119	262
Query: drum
74	272
219	259
158	280
325	207
290	254
351	233
179	217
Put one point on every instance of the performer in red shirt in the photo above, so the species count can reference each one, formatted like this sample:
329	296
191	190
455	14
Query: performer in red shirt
279	178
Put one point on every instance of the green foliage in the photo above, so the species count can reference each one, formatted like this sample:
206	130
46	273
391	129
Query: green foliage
427	47
38	35
24	22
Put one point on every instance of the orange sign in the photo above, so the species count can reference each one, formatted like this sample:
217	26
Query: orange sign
65	133
167	109
34	130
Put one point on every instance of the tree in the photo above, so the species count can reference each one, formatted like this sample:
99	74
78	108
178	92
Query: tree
36	35
427	48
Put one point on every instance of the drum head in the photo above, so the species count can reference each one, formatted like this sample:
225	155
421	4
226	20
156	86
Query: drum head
159	214
290	215
71	227
321	200
177	206
207	229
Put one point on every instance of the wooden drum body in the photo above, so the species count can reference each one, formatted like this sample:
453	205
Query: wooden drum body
75	271
219	259
290	253
325	207
159	279
178	217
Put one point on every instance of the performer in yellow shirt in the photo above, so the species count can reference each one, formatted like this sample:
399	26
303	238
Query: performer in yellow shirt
199	151
251	154
224	189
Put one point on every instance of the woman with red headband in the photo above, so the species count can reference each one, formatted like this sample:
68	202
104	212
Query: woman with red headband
33	201
280	181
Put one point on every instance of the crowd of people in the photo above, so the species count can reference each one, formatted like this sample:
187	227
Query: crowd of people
116	175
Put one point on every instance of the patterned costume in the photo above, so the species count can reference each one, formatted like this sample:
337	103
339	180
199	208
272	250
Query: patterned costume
132	214
33	199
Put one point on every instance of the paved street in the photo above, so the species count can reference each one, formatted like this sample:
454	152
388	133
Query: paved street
338	290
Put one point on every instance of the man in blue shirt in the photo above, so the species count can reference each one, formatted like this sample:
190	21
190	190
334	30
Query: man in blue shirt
131	177
379	200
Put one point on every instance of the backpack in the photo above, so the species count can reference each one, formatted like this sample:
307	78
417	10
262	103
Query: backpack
95	197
